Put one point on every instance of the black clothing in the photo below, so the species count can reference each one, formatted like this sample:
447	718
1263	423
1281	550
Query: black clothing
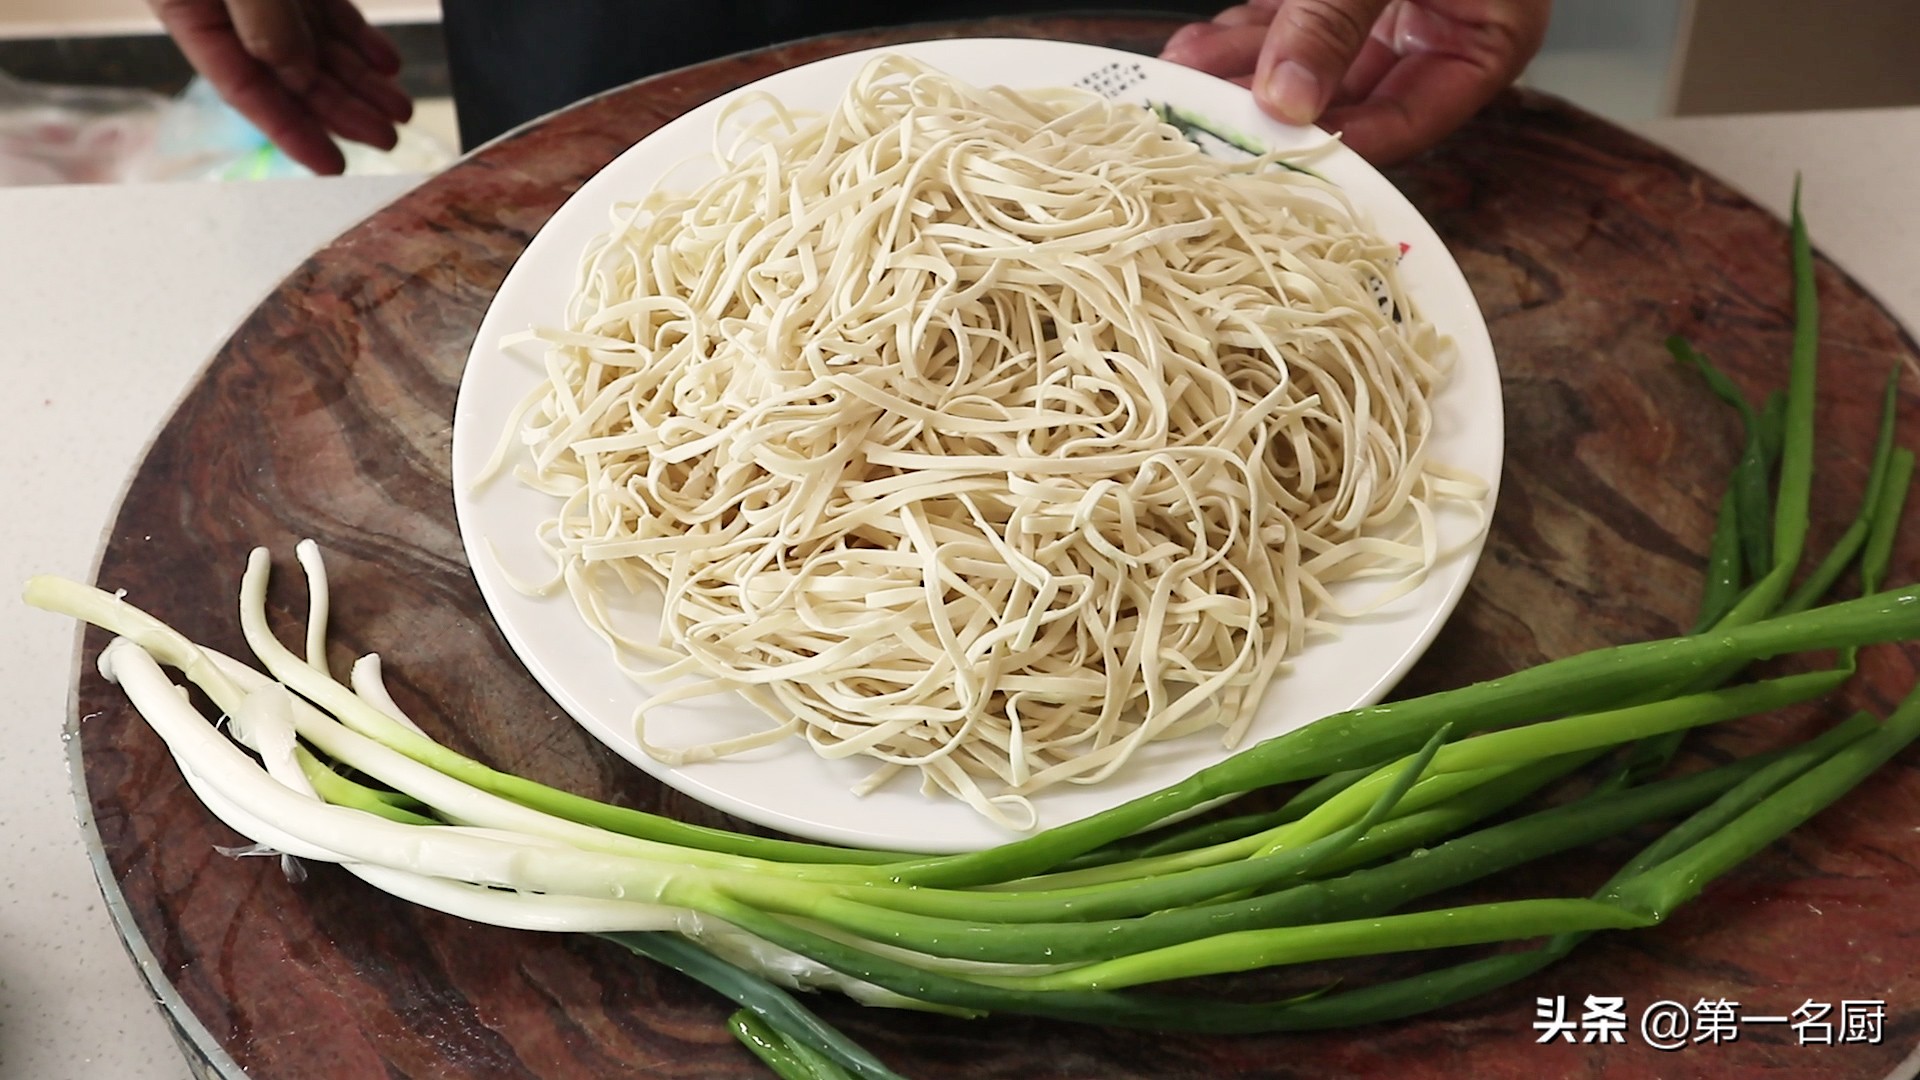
513	60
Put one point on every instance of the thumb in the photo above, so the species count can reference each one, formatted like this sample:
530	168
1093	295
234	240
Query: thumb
1309	46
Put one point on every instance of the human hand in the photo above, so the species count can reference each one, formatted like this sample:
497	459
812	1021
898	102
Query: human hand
1392	78
300	70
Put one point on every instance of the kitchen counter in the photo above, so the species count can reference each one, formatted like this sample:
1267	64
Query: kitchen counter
113	297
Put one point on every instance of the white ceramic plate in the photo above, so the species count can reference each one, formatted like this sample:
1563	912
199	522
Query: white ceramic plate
787	787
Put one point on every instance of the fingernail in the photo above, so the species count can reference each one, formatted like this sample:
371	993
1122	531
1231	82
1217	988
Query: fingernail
1180	41
1292	93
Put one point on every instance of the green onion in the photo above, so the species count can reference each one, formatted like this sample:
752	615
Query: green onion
775	1010
1722	589
767	1045
1872	508
1751	499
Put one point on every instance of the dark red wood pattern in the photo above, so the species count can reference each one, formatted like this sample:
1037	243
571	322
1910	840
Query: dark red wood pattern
327	416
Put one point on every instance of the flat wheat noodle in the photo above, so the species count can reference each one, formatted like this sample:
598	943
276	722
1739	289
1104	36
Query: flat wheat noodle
985	434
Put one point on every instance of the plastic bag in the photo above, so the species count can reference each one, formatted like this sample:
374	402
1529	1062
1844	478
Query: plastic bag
74	134
201	137
67	134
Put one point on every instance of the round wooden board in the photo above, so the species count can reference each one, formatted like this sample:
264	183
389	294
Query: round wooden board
327	415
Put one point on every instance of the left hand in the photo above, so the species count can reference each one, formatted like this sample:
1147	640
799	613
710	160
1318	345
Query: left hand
1392	77
302	71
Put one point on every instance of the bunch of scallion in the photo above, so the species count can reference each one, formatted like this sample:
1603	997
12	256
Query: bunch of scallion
1400	801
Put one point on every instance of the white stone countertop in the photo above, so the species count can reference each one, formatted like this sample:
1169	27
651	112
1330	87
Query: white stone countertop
111	299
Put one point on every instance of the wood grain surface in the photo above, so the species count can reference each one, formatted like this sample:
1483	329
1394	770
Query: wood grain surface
327	416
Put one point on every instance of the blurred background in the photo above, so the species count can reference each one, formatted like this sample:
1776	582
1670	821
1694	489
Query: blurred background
1637	60
93	91
90	91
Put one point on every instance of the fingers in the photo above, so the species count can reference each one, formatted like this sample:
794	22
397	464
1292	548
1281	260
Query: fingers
1180	44
1308	49
1444	60
1500	34
276	33
1375	60
348	115
207	38
286	121
1229	51
1258	13
1423	98
350	26
378	90
299	70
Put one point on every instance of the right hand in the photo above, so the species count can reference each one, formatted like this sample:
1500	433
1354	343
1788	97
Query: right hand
1392	76
301	70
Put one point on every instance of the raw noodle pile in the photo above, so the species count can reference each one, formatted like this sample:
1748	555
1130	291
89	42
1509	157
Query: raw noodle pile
990	434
